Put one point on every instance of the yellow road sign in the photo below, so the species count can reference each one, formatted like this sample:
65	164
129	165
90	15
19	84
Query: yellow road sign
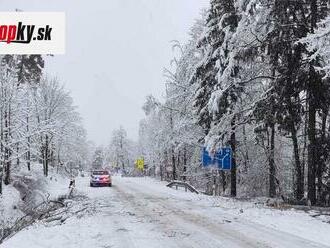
140	164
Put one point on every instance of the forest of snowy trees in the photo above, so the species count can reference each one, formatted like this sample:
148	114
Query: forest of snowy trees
39	123
253	76
118	155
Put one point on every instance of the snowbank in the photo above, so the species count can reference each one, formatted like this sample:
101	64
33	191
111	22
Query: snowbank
9	210
27	190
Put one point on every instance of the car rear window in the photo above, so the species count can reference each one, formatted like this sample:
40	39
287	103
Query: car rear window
100	173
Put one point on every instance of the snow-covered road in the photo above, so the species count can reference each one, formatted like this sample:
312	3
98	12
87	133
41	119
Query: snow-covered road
141	212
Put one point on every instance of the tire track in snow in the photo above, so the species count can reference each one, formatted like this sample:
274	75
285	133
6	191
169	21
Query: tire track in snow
201	233
238	233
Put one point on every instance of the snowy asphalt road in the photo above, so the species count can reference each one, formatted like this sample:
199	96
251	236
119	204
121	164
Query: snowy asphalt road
137	212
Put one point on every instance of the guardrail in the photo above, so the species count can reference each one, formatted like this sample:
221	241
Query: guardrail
184	185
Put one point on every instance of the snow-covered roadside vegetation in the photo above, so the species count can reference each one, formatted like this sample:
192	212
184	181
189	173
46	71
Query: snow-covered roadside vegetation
41	136
253	76
31	197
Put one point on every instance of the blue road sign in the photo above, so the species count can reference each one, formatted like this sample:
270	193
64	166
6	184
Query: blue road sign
207	160
222	158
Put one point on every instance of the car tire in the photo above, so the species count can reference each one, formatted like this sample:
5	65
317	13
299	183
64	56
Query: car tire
91	185
110	184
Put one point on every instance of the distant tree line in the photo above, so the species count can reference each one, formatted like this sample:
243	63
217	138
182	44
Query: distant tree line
119	155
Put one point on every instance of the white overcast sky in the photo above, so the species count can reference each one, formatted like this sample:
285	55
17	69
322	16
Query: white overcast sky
115	54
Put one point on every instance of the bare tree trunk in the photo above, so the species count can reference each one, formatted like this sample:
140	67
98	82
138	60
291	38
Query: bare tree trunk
321	157
233	192
298	167
17	151
58	161
272	170
178	165
223	180
311	159
1	143
46	155
299	175
1	173
184	178
28	153
173	164
6	150
312	105
246	153
161	171
214	184
305	148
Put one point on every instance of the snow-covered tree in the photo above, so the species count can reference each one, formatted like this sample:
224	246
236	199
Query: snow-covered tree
38	121
254	76
121	152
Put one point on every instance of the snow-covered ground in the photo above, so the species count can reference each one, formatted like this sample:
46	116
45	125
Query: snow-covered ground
9	205
142	212
27	190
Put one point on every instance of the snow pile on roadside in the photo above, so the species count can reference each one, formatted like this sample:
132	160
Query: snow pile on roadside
27	190
9	210
44	187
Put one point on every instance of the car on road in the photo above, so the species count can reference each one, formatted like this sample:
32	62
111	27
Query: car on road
100	178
